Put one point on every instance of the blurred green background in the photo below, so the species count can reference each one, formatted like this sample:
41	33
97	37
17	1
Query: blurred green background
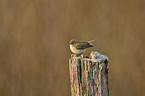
34	51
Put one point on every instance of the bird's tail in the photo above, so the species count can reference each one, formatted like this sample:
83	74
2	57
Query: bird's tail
92	41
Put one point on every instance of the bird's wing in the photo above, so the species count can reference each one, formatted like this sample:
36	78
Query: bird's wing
83	45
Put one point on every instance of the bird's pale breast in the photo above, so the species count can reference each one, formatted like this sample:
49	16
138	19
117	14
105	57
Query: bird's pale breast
76	51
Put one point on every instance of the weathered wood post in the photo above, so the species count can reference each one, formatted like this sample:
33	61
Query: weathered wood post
89	76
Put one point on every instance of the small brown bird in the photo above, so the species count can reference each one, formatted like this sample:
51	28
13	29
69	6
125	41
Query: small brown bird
79	47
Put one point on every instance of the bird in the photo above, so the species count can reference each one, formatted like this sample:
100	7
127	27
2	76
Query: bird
79	47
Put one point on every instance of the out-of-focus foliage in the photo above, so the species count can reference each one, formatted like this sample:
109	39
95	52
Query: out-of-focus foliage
34	51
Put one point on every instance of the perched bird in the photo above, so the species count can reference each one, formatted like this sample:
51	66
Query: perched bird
79	47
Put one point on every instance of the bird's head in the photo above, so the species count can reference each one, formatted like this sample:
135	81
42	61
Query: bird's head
72	42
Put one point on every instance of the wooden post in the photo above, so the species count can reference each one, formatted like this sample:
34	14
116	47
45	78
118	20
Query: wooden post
89	76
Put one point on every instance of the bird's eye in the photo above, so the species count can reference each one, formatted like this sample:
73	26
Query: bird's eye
70	42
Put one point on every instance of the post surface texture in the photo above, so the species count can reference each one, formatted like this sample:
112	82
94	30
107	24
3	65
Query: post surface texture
89	76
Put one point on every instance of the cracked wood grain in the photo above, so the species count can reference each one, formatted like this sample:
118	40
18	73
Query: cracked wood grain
89	77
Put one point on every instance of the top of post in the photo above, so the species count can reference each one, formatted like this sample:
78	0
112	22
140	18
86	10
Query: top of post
94	57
